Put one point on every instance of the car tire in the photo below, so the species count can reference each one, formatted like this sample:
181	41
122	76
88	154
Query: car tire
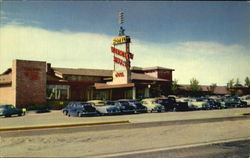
79	114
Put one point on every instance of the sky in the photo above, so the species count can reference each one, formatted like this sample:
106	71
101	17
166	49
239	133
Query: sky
205	40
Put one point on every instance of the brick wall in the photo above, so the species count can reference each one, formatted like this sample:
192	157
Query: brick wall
29	80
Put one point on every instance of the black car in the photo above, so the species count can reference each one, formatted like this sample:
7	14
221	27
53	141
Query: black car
9	110
169	103
125	107
138	105
79	109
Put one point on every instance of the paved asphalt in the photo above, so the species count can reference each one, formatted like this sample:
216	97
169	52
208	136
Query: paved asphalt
46	131
234	149
57	118
194	134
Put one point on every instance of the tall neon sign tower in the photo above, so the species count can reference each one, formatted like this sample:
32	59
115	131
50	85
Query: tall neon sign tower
122	55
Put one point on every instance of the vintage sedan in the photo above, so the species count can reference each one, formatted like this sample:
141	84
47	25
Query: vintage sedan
246	98
197	104
97	102
9	110
235	102
211	104
169	103
125	107
152	106
81	109
105	108
138	105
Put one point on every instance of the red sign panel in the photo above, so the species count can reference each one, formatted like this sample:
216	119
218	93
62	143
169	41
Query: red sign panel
126	55
121	62
119	74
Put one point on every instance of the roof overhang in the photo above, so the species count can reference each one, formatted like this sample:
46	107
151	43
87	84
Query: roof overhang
109	86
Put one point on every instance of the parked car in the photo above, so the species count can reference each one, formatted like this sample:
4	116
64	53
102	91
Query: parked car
125	107
152	106
235	102
168	103
81	109
9	110
171	104
197	103
138	105
246	98
65	110
97	102
106	108
211	104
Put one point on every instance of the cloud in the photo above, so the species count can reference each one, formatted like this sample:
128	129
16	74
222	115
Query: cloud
209	62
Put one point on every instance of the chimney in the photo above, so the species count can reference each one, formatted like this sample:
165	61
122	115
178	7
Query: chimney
49	70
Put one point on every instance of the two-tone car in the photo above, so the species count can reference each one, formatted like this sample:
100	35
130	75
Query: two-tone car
152	105
104	108
246	98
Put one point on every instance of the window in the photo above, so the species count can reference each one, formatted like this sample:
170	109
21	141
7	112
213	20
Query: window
57	92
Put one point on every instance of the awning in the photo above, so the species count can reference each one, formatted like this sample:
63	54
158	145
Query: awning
109	86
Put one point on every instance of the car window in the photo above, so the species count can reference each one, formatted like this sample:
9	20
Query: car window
123	103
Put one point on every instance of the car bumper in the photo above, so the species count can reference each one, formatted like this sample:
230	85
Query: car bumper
128	111
88	113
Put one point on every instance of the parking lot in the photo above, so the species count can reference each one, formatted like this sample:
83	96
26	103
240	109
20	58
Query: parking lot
56	117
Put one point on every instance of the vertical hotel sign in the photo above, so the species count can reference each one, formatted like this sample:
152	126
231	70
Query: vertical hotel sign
121	57
119	53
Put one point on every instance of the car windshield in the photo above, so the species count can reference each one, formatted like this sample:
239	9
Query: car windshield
86	104
199	99
248	98
110	103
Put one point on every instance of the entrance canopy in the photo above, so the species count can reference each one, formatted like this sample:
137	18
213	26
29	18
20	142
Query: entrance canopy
108	86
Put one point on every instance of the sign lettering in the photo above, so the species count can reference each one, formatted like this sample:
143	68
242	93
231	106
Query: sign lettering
31	72
121	40
121	62
126	55
32	75
119	74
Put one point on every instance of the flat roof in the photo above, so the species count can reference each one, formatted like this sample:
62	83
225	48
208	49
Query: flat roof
150	68
84	72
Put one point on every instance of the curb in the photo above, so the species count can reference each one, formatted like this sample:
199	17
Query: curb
64	125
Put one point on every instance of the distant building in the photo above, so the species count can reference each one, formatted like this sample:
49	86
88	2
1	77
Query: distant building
205	90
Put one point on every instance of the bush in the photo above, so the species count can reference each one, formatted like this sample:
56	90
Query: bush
37	107
57	105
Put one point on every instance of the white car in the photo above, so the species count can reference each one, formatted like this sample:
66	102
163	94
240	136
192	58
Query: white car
151	105
105	109
246	98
